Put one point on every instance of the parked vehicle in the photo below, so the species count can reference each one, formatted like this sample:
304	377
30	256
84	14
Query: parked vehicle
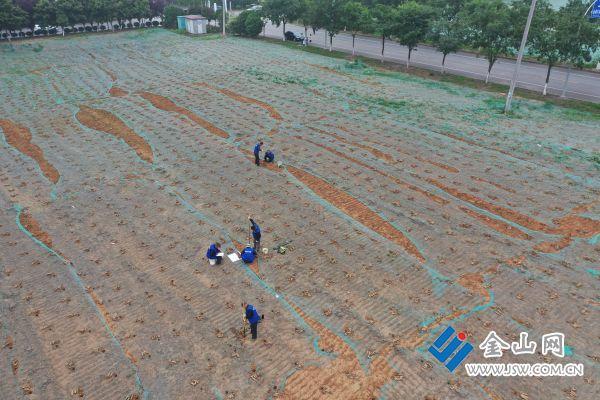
292	37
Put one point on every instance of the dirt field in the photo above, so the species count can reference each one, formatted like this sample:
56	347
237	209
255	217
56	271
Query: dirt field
412	205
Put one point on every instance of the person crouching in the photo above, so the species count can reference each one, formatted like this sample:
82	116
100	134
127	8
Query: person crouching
213	254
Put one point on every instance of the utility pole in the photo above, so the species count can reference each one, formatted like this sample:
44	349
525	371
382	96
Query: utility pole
513	82
224	10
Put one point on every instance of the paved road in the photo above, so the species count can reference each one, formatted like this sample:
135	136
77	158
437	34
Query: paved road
581	85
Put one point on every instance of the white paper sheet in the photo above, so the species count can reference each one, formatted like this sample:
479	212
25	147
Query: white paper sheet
233	257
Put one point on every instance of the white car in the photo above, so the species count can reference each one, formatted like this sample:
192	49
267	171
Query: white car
255	7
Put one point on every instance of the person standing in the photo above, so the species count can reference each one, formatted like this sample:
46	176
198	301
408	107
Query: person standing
251	315
255	234
257	153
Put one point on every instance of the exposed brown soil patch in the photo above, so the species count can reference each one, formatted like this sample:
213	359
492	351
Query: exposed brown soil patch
31	224
244	99
19	137
575	225
105	121
474	283
116	91
342	378
497	225
504	212
166	104
399	181
571	225
554	247
38	71
111	325
356	210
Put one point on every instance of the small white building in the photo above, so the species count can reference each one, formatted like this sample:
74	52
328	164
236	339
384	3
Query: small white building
195	24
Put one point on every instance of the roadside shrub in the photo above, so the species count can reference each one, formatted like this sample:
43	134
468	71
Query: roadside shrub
248	23
171	12
254	24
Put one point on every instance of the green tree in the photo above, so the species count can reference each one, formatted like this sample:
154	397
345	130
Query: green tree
68	12
254	24
489	27
382	23
280	12
356	18
411	25
447	37
171	12
44	13
544	40
578	38
307	16
11	17
330	17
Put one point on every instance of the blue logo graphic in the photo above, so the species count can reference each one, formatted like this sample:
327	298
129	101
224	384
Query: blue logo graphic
455	343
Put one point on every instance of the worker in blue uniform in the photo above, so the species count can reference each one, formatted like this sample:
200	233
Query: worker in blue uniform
255	234
248	255
213	253
269	156
257	152
253	318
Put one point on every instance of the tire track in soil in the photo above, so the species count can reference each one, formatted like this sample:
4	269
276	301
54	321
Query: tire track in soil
503	212
506	189
355	209
165	104
399	181
105	121
19	137
571	225
497	225
387	157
